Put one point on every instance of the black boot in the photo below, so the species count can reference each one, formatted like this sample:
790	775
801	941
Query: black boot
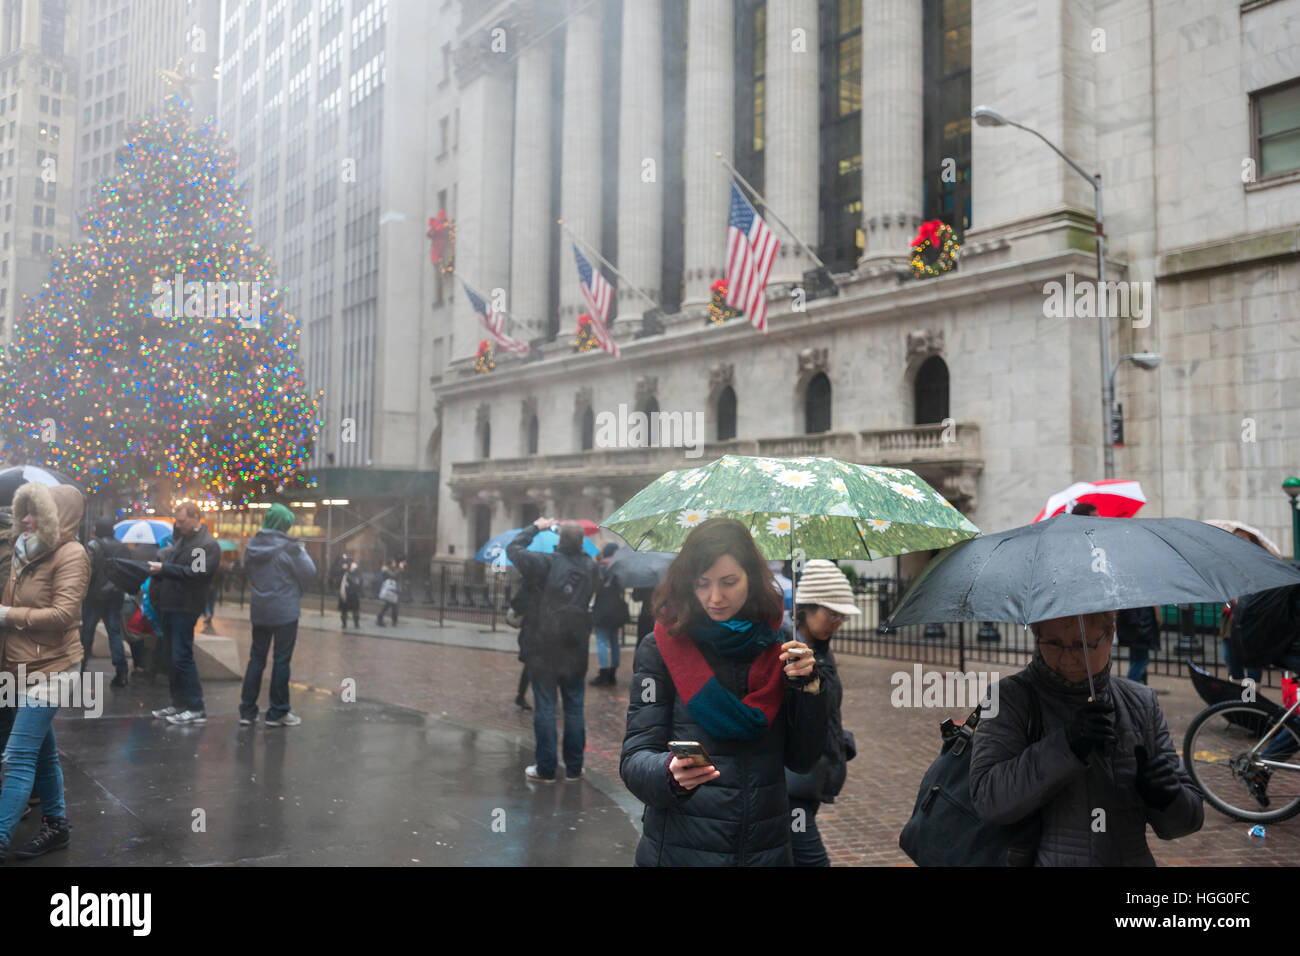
53	836
599	679
120	679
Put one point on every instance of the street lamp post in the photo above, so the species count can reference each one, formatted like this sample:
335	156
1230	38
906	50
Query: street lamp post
1292	487
986	116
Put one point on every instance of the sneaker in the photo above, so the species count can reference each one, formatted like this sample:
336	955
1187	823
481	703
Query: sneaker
572	776
288	720
52	836
188	717
164	712
245	721
531	773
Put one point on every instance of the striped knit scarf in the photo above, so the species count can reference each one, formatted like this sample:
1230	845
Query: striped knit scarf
720	712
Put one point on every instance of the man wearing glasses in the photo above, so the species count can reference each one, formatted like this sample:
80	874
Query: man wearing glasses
1104	765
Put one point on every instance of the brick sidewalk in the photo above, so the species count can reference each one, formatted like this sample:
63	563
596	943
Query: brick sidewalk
477	686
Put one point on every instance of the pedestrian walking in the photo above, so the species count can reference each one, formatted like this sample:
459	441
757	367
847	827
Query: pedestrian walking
350	586
1112	753
1138	629
388	593
609	613
716	679
104	599
523	615
179	589
555	651
40	617
822	601
279	570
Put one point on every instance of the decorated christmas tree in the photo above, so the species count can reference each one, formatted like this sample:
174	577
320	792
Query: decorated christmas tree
157	354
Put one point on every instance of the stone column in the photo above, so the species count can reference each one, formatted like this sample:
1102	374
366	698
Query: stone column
530	247
893	108
640	158
790	148
486	127
582	148
710	100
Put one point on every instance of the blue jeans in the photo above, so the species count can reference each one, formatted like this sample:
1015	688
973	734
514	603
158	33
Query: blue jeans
31	758
806	845
1138	655
284	636
186	689
575	730
607	641
112	616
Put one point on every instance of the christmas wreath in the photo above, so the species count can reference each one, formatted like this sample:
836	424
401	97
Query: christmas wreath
442	238
483	360
719	311
934	250
584	340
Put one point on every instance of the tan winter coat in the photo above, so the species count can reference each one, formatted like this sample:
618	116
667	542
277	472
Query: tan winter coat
43	627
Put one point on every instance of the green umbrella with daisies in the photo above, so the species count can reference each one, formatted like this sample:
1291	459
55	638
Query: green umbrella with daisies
795	507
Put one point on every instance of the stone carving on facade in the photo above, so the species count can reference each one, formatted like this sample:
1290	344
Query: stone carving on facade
924	342
646	386
720	376
960	489
812	361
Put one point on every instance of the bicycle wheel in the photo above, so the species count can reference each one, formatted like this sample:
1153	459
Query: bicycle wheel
1216	752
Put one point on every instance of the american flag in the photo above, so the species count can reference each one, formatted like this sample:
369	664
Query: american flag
494	322
751	249
598	294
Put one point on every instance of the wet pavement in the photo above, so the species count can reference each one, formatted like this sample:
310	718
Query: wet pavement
363	783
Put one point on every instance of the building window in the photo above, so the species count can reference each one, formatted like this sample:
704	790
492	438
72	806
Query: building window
443	124
751	92
446	65
726	412
947	193
817	405
1276	114
532	435
588	429
931	391
485	440
841	135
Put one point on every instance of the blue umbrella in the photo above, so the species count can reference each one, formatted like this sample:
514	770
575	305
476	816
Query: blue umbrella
142	530
544	542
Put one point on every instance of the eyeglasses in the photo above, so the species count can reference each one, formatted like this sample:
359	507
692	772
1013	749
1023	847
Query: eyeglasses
835	616
1060	648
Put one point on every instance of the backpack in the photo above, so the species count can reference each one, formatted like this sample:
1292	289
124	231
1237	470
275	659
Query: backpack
944	829
1264	625
564	609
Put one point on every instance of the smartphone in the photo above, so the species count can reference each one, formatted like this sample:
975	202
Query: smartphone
691	750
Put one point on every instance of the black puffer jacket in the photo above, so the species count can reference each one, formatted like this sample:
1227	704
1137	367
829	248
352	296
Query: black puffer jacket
826	779
1011	778
738	819
182	584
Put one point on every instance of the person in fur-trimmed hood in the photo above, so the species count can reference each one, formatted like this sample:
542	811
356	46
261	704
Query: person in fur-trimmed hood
40	630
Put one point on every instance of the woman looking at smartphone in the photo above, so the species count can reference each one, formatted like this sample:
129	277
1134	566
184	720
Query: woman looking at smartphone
716	672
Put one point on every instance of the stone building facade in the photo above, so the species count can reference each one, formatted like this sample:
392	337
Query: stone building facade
978	379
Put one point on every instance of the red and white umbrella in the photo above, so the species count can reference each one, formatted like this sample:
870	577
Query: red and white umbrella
1114	498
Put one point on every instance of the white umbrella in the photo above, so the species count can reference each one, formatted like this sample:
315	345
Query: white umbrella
1227	524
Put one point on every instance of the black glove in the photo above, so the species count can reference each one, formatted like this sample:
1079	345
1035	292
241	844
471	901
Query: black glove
1091	727
1157	779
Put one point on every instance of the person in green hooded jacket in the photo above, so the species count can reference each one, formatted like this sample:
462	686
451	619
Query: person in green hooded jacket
279	570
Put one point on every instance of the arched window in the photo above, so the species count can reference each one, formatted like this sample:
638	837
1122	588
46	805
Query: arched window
482	525
485	440
588	429
532	434
931	391
817	405
726	412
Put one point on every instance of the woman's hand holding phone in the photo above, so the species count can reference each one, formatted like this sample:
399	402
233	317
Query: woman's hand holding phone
689	775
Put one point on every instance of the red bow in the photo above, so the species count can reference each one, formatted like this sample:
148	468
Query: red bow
929	230
438	233
483	348
584	320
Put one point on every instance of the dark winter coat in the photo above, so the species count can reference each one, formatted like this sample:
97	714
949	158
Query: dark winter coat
609	609
1138	627
279	570
545	656
741	818
179	586
350	596
100	550
1010	778
827	776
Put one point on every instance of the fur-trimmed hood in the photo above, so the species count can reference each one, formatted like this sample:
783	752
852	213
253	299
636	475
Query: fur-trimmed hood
58	512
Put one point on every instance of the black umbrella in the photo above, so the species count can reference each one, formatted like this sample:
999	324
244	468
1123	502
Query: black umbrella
13	477
640	569
127	574
1071	564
